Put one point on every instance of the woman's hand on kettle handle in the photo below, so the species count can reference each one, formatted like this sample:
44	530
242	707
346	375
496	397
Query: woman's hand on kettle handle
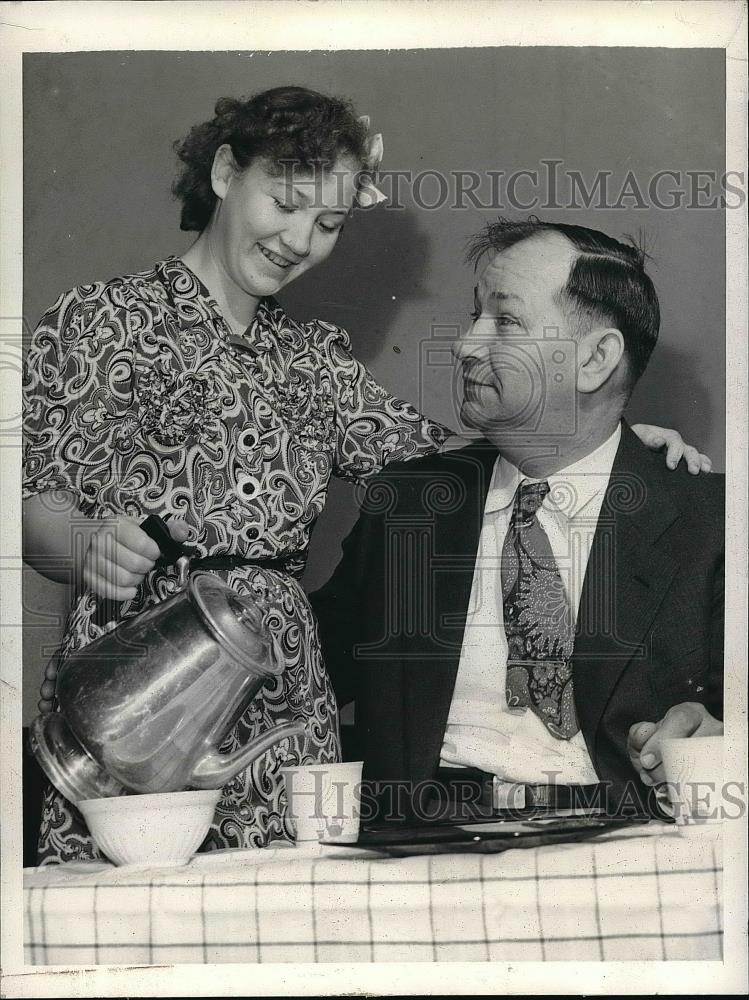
120	554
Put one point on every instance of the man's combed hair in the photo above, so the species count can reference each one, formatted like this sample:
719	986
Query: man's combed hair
607	282
283	125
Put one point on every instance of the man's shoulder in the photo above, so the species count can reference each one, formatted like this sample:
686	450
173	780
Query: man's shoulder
708	489
700	497
420	480
466	462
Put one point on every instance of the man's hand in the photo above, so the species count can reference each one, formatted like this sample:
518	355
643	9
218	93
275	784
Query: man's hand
658	438
644	739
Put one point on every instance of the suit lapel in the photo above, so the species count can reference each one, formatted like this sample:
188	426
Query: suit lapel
429	681
625	581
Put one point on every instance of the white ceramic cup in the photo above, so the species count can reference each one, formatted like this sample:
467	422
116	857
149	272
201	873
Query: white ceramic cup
323	801
695	778
159	829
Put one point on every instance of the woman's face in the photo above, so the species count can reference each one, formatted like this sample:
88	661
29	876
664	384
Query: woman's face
268	229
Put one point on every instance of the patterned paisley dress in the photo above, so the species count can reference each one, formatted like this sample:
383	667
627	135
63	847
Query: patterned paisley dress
138	399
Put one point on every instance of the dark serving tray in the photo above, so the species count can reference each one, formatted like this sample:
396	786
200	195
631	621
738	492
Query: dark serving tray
487	836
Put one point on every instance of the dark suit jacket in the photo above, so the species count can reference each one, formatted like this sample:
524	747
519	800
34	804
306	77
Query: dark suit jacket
650	623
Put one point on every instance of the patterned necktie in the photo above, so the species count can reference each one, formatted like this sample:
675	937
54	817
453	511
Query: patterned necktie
538	621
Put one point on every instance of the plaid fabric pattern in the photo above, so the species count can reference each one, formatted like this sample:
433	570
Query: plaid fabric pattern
622	897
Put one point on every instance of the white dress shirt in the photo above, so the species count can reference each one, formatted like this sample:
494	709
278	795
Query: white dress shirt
481	730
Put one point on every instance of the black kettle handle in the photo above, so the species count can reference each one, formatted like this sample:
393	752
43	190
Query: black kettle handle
156	528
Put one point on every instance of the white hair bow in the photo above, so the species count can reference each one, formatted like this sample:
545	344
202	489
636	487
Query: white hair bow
368	194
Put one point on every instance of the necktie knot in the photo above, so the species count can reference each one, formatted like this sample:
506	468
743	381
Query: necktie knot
530	496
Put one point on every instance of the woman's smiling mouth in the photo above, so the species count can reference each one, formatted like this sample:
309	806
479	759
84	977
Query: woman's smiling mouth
275	258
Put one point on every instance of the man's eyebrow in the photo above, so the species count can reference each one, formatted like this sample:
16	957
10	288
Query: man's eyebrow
501	296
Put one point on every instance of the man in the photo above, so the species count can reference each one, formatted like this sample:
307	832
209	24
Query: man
527	617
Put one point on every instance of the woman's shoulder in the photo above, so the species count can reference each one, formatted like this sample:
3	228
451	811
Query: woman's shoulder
317	334
88	300
325	334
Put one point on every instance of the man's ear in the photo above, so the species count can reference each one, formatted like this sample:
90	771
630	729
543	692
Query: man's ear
600	352
223	169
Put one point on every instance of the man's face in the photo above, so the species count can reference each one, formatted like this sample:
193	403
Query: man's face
518	359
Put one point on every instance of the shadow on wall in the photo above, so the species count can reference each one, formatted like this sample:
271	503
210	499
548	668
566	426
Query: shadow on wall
364	293
672	384
361	290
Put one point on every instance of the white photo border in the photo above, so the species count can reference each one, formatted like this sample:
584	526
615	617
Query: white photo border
352	24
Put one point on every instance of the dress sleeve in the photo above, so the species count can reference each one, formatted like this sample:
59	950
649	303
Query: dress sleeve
77	378
373	428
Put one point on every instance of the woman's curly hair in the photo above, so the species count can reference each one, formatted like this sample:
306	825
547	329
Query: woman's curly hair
283	124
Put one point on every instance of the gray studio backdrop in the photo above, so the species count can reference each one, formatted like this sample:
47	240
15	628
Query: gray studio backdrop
98	163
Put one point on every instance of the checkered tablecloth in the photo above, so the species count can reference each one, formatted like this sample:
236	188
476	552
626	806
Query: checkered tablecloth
644	894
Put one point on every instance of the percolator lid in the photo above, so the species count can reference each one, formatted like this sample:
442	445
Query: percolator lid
236	623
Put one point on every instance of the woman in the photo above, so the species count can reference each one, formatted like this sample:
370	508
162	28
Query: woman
186	390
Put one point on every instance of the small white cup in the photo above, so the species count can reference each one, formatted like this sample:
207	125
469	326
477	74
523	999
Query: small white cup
695	777
323	801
